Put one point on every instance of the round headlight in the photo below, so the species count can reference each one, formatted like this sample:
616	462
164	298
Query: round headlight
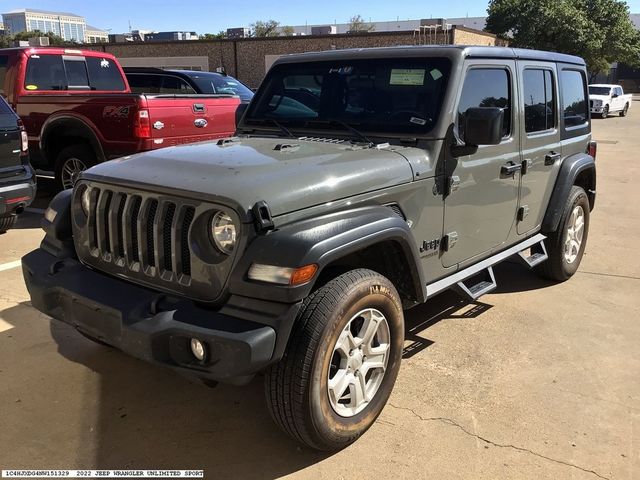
85	201
223	232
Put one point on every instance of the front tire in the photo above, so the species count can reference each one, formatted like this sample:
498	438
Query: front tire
605	111
70	162
566	245
341	362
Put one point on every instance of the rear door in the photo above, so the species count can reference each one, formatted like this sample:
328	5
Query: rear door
540	139
179	119
481	206
10	138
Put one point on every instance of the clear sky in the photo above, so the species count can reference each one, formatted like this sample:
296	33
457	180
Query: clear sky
211	16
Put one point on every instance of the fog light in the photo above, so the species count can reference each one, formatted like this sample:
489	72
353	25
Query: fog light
198	349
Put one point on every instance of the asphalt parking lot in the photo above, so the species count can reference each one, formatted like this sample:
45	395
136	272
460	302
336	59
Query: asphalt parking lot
535	381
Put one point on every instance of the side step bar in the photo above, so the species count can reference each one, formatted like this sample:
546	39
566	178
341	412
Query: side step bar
537	256
484	285
459	277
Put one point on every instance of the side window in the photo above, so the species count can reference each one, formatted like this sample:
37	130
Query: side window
486	87
574	98
140	83
76	69
45	72
104	74
4	64
618	91
175	86
539	100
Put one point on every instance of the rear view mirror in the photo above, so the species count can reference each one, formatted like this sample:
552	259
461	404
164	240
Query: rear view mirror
483	126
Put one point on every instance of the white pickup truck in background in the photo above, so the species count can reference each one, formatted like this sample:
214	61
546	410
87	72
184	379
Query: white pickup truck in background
605	99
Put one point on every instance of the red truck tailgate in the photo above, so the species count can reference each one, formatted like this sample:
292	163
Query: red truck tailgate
179	119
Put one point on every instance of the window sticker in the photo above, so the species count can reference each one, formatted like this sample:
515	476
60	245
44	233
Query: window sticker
104	63
407	76
31	87
418	121
435	74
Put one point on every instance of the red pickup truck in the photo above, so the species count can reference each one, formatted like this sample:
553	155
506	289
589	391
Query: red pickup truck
78	110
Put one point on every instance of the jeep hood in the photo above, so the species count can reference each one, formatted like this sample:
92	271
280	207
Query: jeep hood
289	174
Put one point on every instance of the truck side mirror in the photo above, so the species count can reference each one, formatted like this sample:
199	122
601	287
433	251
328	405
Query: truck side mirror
483	126
615	95
240	112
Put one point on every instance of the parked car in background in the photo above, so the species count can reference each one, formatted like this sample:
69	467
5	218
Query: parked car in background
605	99
78	110
17	179
159	81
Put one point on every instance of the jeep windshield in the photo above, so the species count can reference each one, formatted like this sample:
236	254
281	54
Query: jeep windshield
377	96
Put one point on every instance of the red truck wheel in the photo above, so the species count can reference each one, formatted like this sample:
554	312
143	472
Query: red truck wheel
71	161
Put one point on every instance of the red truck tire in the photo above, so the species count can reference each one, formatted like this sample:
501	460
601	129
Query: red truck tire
70	162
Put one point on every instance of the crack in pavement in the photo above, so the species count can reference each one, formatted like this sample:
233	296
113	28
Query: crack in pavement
453	423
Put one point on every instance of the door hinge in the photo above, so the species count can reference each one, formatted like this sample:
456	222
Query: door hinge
454	183
526	165
523	211
449	241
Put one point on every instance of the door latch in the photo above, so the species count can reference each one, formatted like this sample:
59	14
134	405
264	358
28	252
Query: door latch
509	169
551	158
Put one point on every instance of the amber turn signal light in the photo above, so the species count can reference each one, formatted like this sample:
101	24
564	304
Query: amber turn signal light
303	274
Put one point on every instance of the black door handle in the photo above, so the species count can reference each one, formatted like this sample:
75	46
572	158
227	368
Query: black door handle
510	169
551	158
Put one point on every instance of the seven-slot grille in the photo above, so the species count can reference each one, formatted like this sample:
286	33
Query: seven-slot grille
141	234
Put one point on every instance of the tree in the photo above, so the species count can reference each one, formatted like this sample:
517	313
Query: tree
7	41
600	31
265	29
357	24
214	36
287	31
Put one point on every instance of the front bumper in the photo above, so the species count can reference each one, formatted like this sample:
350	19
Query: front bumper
149	325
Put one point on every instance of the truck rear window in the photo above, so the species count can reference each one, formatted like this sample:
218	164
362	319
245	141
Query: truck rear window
376	95
45	72
104	74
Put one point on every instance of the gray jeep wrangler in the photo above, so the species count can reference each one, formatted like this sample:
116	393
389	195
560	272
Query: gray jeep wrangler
360	183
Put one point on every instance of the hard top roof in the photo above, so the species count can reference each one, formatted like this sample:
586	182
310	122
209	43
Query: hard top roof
450	51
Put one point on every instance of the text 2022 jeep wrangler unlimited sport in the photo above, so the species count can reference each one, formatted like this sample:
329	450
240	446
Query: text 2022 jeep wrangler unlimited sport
360	183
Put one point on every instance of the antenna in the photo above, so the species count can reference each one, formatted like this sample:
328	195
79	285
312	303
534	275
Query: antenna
129	26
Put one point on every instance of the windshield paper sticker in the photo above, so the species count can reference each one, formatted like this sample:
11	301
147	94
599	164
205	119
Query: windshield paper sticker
418	121
407	76
435	74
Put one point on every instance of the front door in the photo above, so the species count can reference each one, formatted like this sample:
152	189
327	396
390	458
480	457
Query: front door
541	149
481	204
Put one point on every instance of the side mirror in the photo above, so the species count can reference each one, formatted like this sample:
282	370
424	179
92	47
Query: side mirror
240	112
615	95
483	126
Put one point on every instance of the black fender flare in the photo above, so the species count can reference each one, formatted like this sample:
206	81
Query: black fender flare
571	168
73	127
323	240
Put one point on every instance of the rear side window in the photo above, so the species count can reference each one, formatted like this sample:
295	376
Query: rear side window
45	72
539	100
104	74
140	83
4	64
76	71
4	108
486	87
175	86
574	98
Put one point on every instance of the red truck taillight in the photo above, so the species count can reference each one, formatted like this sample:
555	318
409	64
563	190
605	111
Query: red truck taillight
142	125
592	149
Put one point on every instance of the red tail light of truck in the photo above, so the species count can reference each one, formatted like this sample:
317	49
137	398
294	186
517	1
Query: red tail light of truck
142	125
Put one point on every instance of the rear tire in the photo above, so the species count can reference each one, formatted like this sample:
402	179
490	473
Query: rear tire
71	161
328	355
6	223
624	111
566	245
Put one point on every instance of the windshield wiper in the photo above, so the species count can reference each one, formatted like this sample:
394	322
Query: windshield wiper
344	125
284	129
